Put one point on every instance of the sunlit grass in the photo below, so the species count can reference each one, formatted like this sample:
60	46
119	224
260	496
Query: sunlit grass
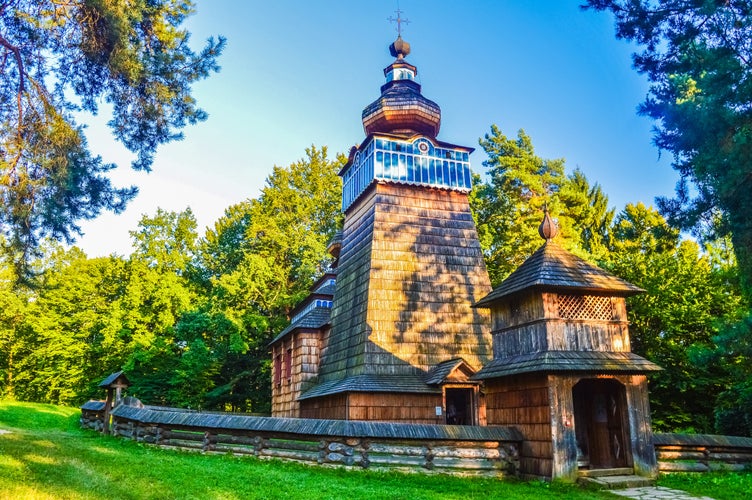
717	485
47	456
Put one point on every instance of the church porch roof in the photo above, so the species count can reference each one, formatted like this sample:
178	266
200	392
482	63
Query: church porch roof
567	361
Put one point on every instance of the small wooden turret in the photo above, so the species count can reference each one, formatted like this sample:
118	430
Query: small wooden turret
563	371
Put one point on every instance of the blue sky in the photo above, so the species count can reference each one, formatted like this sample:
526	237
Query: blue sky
300	73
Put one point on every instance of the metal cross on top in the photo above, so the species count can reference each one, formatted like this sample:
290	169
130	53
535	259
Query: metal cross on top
398	20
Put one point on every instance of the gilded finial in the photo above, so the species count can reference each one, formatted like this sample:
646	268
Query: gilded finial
400	48
547	229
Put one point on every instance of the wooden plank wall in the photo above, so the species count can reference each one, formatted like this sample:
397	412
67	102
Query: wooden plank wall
533	331
587	335
563	435
334	407
640	425
524	402
395	407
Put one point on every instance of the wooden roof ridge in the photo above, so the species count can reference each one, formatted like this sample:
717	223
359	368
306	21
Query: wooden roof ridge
661	438
329	274
325	293
553	267
369	382
107	382
567	361
312	320
94	405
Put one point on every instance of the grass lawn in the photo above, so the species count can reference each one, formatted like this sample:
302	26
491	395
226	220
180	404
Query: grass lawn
721	486
43	454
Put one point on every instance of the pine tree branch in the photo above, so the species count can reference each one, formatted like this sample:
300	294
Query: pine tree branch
21	84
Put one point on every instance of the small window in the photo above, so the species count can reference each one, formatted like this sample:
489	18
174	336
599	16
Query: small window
278	369
288	365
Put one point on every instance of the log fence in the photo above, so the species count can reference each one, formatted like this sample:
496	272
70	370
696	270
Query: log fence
702	452
460	450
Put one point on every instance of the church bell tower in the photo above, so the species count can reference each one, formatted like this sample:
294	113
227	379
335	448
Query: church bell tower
404	338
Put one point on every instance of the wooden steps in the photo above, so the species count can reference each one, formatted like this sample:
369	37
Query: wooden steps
613	479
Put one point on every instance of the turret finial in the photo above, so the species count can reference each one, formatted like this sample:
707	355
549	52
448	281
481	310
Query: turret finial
400	48
547	229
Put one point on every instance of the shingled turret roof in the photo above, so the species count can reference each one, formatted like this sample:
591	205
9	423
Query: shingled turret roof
552	267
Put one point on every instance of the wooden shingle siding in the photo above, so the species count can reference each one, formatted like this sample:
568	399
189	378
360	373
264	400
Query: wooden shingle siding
428	318
304	348
350	303
411	268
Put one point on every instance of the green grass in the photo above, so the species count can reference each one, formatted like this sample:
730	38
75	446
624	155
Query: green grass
718	485
46	456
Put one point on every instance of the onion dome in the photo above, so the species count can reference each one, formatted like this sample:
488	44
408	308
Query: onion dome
547	229
402	109
335	245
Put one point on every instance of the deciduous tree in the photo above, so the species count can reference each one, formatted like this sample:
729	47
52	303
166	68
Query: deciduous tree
259	261
688	299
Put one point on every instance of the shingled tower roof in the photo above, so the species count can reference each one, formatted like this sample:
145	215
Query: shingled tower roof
554	268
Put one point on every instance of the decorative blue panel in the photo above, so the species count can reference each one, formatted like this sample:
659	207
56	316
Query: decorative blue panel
417	162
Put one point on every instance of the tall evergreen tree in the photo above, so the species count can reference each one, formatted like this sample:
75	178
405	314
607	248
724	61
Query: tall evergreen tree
60	57
509	207
698	58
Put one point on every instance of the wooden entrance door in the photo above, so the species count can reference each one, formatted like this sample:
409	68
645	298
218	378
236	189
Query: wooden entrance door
460	408
601	424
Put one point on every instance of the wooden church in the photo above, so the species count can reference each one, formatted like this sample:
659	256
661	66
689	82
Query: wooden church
406	328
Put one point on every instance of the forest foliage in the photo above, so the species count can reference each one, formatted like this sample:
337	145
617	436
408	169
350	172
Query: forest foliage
189	316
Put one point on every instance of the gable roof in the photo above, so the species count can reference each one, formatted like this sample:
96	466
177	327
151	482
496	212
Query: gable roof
113	377
552	267
443	371
312	320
